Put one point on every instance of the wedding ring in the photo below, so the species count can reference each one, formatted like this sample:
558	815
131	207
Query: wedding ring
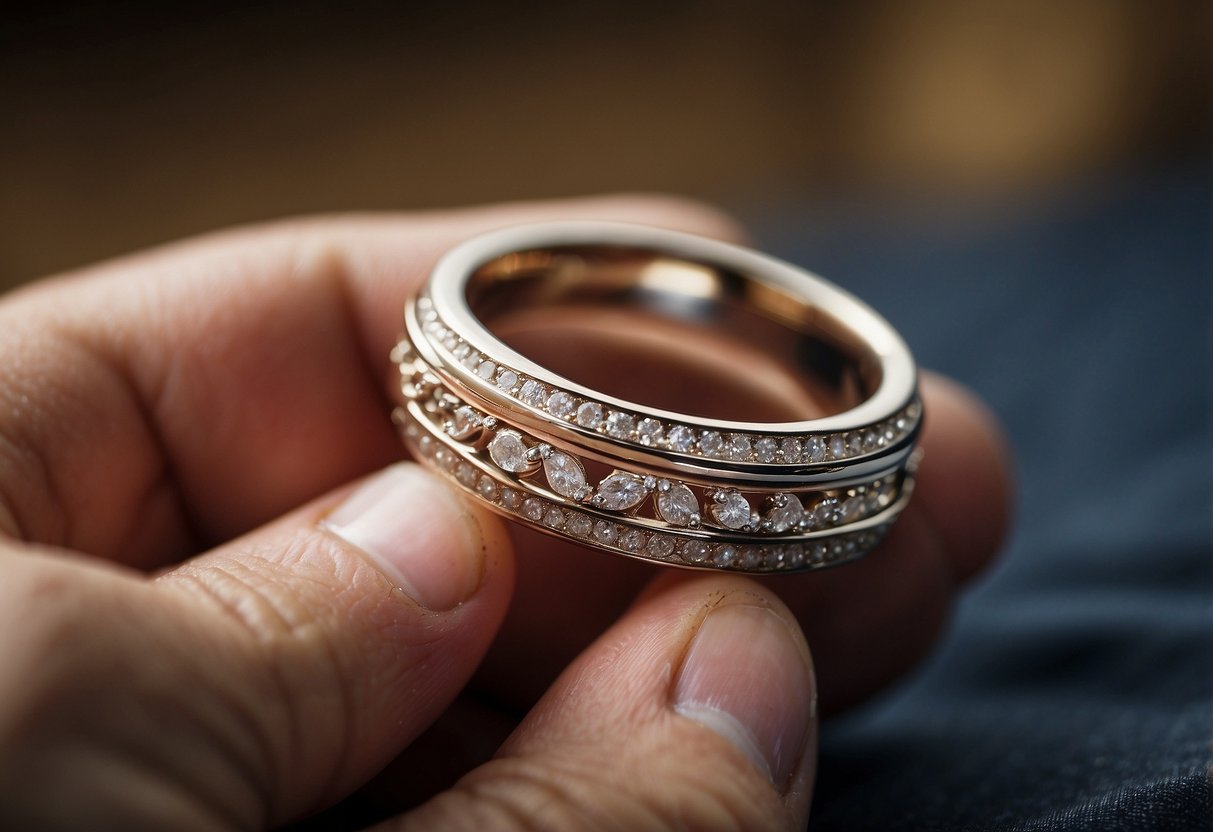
660	396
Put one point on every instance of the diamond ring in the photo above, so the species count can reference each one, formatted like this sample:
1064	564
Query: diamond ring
660	396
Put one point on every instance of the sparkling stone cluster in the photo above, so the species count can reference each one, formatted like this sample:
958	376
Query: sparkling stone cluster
666	547
800	449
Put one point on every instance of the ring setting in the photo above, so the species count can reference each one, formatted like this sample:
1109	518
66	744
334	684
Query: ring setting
625	476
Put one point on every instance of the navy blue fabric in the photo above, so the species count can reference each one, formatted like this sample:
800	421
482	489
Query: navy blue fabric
1075	687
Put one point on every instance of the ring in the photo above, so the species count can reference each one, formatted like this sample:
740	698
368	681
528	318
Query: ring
660	396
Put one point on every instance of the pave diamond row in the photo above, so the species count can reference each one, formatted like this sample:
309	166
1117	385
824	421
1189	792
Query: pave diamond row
801	449
626	538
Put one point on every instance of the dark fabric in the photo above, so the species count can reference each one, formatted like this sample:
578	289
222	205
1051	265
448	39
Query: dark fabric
1075	687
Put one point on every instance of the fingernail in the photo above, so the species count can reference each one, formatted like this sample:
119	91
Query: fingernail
417	531
747	678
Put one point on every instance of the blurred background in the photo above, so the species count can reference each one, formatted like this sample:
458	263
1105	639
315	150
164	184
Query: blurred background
130	123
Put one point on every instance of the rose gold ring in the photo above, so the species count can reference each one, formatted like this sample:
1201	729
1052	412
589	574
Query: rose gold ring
660	396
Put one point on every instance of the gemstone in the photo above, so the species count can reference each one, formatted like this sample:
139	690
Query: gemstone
752	557
852	508
711	443
553	518
677	505
462	351
620	425
791	449
731	509
579	524
506	379
565	475
724	554
660	546
871	439
738	447
694	551
533	508
855	442
605	532
486	488
470	360
485	369
838	446
784	513
681	439
589	415
826	513
466	475
649	431
620	492
764	449
815	449
632	540
532	393
511	498
508	451
561	405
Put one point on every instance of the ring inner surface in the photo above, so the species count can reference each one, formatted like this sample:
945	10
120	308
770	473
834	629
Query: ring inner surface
673	334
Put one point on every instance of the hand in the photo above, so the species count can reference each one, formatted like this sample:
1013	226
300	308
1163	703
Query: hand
212	617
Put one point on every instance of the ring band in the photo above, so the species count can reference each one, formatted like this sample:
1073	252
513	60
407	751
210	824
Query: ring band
819	485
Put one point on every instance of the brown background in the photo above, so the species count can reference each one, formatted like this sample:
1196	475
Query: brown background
126	124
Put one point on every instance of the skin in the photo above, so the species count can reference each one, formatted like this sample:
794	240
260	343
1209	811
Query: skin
185	644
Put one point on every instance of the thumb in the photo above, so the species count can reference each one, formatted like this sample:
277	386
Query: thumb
253	684
695	711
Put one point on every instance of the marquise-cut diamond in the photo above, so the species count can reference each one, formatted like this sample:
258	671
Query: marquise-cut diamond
589	415
677	505
784	513
731	509
565	475
509	451
561	405
532	393
620	492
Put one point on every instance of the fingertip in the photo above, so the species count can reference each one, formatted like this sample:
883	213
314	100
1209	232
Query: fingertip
965	484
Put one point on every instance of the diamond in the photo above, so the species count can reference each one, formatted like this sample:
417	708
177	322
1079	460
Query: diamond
632	541
764	449
470	360
871	439
565	475
838	446
511	498
533	508
649	431
855	442
486	488
731	509
506	379
752	557
784	513
660	546
681	439
561	405
724	554
466	475
485	369
532	393
589	415
605	532
694	551
620	492
677	504
711	443
553	518
579	524
815	449
791	449
826	513
738	447
620	425
509	452
462	351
